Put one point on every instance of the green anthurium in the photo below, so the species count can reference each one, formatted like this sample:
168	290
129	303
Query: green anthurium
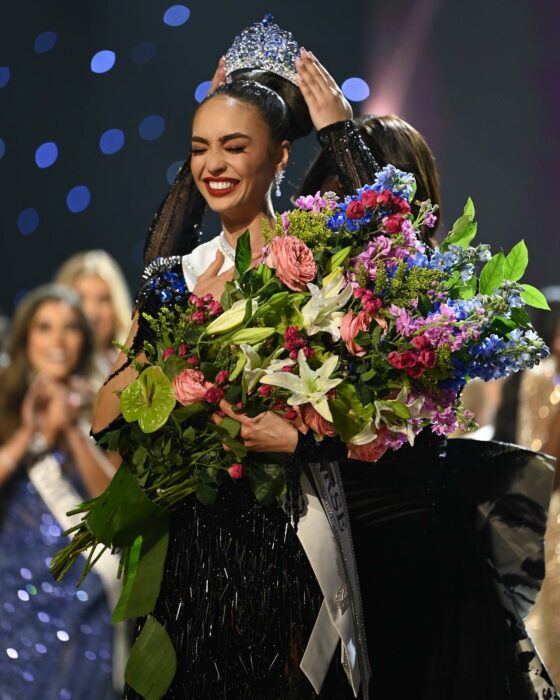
149	400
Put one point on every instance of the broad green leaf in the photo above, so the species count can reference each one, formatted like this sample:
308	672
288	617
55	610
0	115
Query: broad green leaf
145	571
122	512
398	408
185	412
243	255
231	426
206	494
516	262
534	297
270	485
148	400
464	229
492	274
469	209
349	414
152	662
174	365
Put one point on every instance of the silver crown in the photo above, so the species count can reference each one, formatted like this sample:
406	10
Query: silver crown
264	46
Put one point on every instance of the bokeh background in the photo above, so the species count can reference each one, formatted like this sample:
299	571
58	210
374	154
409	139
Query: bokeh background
96	99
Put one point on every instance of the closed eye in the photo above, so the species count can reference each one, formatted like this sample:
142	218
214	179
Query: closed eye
197	151
235	149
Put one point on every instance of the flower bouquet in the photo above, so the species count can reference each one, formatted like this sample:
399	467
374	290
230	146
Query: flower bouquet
352	326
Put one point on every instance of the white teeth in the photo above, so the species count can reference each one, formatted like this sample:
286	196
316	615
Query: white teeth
220	185
57	356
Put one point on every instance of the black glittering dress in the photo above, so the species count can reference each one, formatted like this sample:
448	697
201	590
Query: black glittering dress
447	540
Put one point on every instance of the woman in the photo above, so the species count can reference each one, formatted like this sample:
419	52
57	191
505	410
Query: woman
238	597
99	281
56	639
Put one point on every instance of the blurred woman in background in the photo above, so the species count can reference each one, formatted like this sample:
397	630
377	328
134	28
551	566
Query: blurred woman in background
106	301
56	640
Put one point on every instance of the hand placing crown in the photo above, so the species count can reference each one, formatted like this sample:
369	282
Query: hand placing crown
264	46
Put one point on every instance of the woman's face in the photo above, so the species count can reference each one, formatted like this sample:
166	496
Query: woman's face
234	158
55	340
97	304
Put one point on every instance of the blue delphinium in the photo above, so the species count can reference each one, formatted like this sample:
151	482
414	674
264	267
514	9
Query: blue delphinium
401	184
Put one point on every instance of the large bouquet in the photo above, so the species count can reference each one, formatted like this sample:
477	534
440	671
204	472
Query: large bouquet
352	326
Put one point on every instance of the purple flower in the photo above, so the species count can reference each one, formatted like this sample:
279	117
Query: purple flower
430	220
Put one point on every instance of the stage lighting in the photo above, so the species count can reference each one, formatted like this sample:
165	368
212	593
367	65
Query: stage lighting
151	127
143	52
176	15
111	141
172	171
4	76
355	89
103	61
45	42
78	199
202	90
46	154
28	221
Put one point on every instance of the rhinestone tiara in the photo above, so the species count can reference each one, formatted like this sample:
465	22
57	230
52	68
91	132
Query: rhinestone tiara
264	46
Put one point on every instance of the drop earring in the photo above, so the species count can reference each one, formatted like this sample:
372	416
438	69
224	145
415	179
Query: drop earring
278	177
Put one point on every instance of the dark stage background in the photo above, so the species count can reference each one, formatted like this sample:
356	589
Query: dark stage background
481	80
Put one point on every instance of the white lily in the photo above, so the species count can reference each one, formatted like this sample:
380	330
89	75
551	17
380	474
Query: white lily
321	313
256	366
311	386
368	434
231	318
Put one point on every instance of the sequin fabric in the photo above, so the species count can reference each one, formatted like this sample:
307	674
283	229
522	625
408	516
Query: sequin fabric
56	640
239	601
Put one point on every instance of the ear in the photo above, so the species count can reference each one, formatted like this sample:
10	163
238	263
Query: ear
284	151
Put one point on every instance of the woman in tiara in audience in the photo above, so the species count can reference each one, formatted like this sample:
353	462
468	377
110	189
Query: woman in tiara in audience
252	606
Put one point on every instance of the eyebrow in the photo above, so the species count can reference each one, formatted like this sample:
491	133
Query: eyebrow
223	139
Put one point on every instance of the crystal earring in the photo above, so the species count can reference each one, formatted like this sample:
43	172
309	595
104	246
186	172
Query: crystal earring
278	177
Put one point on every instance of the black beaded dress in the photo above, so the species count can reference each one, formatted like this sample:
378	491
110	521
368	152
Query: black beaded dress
447	539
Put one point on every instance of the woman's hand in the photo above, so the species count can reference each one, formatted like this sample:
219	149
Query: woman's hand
219	77
267	432
56	410
325	101
211	281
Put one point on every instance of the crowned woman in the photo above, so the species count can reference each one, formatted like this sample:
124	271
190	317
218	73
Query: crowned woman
396	587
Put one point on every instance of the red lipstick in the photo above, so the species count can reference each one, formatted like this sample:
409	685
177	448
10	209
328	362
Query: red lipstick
222	190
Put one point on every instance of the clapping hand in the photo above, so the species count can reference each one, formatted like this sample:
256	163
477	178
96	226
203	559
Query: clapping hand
325	101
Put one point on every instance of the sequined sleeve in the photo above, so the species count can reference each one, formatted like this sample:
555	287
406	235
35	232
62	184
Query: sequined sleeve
175	226
348	154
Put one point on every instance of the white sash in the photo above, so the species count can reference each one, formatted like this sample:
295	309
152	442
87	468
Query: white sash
60	496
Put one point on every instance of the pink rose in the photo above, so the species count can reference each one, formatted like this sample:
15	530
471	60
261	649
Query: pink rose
189	386
315	421
350	326
214	394
236	471
166	354
371	451
293	262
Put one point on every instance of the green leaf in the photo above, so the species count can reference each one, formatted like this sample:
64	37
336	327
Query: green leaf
516	262
144	573
349	414
122	512
148	400
152	662
469	209
492	274
206	494
110	440
243	255
534	297
398	408
174	365
231	426
185	412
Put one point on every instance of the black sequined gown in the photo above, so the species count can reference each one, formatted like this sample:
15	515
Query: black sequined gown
429	525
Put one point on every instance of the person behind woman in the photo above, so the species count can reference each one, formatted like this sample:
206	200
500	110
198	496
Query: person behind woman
106	301
56	640
238	596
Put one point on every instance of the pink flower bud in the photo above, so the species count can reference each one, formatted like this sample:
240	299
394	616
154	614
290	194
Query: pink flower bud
264	390
193	361
214	395
222	377
214	308
287	368
198	317
166	354
236	471
207	298
292	414
183	349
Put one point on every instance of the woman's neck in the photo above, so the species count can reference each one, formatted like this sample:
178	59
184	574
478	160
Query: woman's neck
233	228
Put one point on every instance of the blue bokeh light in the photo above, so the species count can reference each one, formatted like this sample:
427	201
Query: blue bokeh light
103	61
45	42
78	199
111	141
151	127
176	15
202	90
172	171
143	52
4	76
2	148
46	154
28	221
355	89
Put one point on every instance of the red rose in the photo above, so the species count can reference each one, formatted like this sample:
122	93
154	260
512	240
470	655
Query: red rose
355	210
415	372
222	376
236	471
264	390
193	360
383	198
427	358
198	317
420	342
292	414
369	198
214	395
402	360
182	350
393	223
401	205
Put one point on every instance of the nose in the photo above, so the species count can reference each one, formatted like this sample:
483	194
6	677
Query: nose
215	163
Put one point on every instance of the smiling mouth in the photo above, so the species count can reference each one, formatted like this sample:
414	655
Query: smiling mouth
219	187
